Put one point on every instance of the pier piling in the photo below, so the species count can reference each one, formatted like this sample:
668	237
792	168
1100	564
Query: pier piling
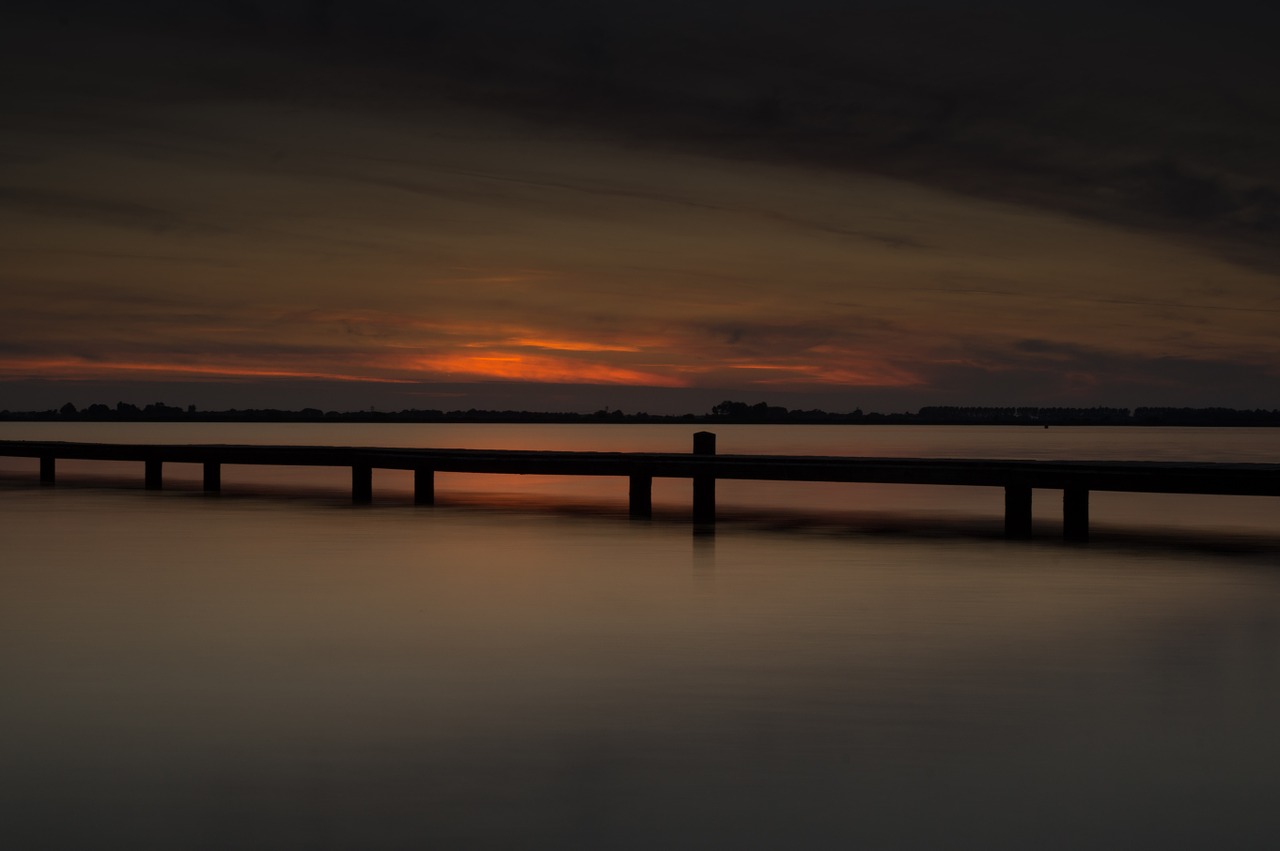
641	497
212	477
1075	513
48	464
361	484
424	486
704	484
1017	511
154	474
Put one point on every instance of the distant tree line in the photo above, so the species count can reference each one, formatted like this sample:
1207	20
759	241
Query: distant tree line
1098	416
1019	416
726	412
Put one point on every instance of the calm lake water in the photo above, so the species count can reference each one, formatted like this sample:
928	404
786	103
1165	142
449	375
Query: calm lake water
521	666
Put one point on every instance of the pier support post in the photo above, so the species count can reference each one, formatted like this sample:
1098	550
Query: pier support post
212	477
48	464
704	484
424	486
641	496
1017	511
361	484
1075	514
153	477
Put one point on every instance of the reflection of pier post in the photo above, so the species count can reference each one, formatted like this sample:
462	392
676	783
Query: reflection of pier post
1075	513
641	496
154	475
361	484
704	484
47	467
212	477
1017	511
424	486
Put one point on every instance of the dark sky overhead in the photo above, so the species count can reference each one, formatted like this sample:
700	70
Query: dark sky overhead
657	206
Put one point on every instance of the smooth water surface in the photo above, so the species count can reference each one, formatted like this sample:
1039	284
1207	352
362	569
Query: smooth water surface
275	669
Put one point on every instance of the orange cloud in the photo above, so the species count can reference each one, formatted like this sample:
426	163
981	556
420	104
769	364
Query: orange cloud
72	368
846	369
489	364
379	346
863	375
567	345
520	367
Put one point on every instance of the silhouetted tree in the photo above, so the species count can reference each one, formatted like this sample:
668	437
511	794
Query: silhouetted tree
728	408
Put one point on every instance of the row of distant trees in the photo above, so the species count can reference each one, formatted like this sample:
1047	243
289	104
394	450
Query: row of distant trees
726	412
1100	416
1027	415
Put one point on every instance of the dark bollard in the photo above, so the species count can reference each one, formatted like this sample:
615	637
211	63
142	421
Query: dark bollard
212	477
1017	511
361	484
48	465
153	476
704	485
642	497
1075	514
424	486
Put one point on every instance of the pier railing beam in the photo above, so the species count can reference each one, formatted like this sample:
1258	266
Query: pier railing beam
48	465
641	496
704	484
361	484
212	477
424	486
1075	514
153	475
1017	511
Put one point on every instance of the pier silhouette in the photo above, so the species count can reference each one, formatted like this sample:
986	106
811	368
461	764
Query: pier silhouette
1018	478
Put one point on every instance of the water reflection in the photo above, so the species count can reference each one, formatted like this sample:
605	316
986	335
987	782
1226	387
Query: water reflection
262	673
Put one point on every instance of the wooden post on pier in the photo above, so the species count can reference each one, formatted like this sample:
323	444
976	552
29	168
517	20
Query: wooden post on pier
642	497
1075	513
361	484
153	477
212	477
704	484
1017	511
424	486
48	464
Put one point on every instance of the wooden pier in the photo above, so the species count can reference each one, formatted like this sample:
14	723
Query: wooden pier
1075	479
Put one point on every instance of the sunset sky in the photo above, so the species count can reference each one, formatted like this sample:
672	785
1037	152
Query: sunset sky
648	206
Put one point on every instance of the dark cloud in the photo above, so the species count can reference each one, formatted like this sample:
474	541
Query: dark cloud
46	202
1044	372
1158	116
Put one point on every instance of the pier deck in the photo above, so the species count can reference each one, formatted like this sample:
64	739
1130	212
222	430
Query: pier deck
1018	477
